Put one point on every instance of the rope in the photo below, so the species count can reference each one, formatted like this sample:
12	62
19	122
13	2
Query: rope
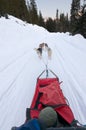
46	66
46	71
45	63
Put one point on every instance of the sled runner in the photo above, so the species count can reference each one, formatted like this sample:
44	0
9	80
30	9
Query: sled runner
49	93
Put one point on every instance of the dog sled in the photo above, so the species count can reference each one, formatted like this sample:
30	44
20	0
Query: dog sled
49	93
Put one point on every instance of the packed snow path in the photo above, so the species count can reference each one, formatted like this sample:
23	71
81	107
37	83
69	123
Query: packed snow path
20	67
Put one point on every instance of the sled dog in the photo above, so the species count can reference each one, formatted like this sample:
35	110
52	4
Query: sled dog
44	47
39	52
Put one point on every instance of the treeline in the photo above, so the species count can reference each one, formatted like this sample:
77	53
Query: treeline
28	11
78	18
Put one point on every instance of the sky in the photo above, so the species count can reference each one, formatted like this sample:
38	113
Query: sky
48	7
20	66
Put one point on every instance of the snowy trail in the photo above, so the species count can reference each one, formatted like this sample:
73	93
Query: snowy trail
20	67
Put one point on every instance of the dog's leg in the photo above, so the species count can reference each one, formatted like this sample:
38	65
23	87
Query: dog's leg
49	53
39	52
40	55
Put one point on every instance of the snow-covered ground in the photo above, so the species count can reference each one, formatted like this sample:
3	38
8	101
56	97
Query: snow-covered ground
20	67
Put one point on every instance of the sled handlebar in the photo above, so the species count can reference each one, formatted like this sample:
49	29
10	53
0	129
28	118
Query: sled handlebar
47	70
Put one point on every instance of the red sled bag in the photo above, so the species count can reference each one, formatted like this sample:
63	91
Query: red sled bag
49	93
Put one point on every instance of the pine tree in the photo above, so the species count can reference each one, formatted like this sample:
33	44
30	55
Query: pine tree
78	18
22	10
57	11
28	8
57	21
74	22
16	8
62	22
33	12
67	24
41	20
51	25
3	8
82	21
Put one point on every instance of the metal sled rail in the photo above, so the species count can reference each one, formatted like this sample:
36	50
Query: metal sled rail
47	73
